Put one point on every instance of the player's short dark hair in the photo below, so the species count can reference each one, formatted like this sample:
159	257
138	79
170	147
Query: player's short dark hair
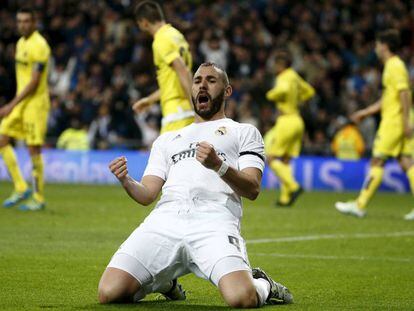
284	56
150	10
391	38
222	72
27	10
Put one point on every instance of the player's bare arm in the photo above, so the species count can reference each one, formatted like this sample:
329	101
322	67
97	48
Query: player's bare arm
306	90
184	75
144	103
28	90
245	183
144	192
406	105
359	115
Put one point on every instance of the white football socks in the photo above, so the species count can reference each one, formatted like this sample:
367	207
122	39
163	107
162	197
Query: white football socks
262	289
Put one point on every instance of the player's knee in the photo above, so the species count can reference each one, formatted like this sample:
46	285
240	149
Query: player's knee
4	141
377	162
242	297
270	159
110	292
406	163
34	150
285	159
105	294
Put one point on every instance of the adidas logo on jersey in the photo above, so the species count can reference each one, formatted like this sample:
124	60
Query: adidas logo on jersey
176	137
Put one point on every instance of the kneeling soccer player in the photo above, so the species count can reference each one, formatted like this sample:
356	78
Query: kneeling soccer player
203	171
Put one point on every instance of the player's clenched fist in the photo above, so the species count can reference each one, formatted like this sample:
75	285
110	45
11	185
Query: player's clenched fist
207	156
119	168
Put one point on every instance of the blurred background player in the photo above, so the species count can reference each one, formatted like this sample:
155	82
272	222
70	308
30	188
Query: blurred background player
394	135
284	140
348	143
173	61
25	116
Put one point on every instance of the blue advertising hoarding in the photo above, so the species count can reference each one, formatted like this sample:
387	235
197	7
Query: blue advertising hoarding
313	173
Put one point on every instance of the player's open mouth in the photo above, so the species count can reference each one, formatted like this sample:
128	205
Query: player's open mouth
203	98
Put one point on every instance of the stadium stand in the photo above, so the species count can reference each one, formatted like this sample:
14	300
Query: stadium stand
100	59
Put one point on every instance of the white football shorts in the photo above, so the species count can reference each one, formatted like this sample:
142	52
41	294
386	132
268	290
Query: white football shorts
177	240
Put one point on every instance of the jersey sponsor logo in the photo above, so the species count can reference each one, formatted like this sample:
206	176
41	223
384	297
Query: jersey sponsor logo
221	131
190	152
185	154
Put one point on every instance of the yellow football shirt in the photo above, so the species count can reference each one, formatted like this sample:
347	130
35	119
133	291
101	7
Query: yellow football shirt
348	143
168	45
289	91
32	53
73	139
394	80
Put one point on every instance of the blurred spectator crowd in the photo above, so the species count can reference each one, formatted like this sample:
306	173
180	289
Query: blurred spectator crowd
102	63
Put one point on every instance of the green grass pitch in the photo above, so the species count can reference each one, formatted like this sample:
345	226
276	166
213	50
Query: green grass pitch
53	259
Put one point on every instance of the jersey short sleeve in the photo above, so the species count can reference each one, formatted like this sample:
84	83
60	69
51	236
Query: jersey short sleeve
39	54
157	162
399	76
251	152
166	49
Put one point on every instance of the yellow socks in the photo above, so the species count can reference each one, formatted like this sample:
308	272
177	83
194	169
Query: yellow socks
38	178
10	160
284	194
410	175
284	172
371	184
20	185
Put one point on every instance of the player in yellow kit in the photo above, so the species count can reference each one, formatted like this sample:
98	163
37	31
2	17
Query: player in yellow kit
173	61
284	140
394	135
25	116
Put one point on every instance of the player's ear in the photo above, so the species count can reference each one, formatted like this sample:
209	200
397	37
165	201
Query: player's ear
228	90
142	23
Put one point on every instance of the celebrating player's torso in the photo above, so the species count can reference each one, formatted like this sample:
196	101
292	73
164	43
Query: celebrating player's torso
173	159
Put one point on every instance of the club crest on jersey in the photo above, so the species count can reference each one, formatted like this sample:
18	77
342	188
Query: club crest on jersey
221	131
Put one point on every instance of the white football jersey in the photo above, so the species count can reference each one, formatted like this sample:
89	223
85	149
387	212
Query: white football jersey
187	180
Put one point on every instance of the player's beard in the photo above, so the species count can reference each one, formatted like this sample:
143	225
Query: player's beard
215	106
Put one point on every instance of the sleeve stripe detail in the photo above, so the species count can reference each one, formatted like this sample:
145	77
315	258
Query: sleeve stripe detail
252	153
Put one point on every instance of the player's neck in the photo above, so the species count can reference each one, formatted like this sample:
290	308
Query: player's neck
219	115
387	56
29	34
282	70
155	27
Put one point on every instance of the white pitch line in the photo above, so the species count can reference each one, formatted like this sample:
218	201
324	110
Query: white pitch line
331	237
325	257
